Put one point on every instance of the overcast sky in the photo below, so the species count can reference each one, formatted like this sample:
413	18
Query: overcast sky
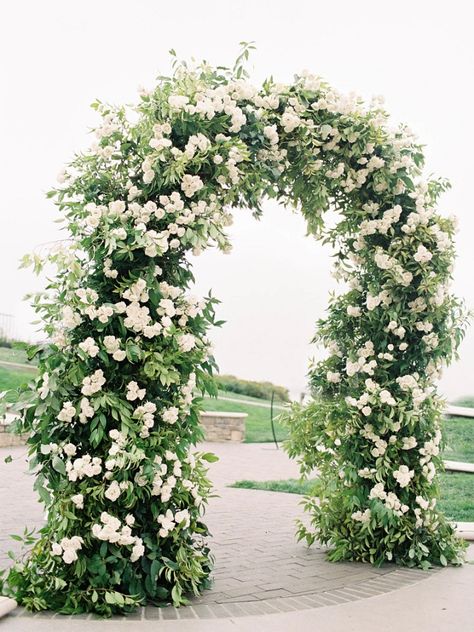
58	56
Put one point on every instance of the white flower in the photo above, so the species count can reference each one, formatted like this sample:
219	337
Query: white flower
70	318
103	313
186	342
78	500
386	398
378	491
333	377
403	475
177	101
112	346
422	255
67	412
119	233
408	443
372	302
167	523
383	261
56	549
182	517
375	163
84	466
170	415
166	307
94	383
407	382
113	491
424	504
69	556
191	185
361	516
43	390
290	120
86	410
89	346
137	551
270	132
134	392
70	449
353	311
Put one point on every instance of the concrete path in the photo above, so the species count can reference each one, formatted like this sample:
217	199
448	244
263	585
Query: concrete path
264	580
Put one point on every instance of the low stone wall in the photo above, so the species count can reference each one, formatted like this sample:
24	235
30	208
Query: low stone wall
8	439
220	426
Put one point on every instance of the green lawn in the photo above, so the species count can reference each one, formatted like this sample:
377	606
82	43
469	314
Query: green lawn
247	398
468	402
459	436
11	379
456	499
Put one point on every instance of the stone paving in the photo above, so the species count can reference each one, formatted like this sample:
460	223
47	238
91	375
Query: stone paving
260	568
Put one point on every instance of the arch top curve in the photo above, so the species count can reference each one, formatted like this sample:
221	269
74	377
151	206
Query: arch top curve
128	346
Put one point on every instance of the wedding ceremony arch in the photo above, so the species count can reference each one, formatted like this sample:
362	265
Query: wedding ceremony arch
113	419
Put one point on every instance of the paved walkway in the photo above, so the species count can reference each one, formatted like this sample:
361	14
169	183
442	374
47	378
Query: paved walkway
260	569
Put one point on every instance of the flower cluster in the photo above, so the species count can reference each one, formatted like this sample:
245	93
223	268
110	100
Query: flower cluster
110	529
67	548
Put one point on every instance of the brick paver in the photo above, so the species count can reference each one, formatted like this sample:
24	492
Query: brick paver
260	568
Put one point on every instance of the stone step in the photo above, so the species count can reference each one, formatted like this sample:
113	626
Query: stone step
459	411
459	466
6	605
465	530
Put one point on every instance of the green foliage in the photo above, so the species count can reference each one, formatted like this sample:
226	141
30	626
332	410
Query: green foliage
262	390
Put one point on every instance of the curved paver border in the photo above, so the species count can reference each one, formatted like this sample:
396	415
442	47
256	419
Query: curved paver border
388	582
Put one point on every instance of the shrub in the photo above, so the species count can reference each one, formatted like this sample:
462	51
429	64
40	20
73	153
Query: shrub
262	390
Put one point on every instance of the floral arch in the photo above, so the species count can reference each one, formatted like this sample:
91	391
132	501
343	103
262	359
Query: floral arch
113	418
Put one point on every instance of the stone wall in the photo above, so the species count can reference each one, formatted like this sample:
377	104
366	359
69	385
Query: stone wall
220	426
8	439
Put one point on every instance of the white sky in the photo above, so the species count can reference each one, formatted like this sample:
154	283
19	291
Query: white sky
59	56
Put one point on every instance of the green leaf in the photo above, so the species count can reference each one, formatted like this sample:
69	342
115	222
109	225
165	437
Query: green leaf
58	465
18	538
209	457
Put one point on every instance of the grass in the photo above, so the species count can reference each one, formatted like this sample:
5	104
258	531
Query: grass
248	398
12	379
468	402
459	436
456	498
